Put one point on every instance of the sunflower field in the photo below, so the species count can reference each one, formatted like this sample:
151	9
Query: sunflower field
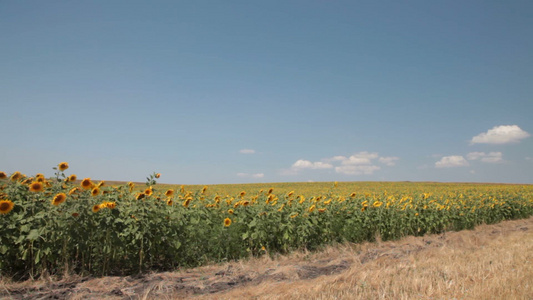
64	224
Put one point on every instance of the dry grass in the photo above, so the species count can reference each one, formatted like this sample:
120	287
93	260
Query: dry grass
490	262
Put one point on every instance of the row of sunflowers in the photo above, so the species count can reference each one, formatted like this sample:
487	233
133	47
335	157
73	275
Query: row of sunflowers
64	224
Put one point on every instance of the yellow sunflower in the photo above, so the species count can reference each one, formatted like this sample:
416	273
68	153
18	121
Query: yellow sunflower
157	175
59	198
36	187
16	176
3	175
86	183
187	201
312	208
6	206
100	184
230	211
62	166
227	222
204	189
169	193
72	177
139	196
96	208
95	192
149	191
169	202
73	190
377	203
111	205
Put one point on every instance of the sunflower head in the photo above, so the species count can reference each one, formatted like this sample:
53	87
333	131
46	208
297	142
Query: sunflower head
227	222
62	166
3	175
204	189
139	196
187	201
72	177
73	190
59	198
95	192
16	176
111	205
6	206
169	202
96	208
36	187
86	183
230	211
169	193
100	184
157	175
149	191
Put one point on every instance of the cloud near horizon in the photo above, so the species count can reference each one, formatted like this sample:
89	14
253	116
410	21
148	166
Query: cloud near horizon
504	134
452	162
491	157
247	151
256	175
357	164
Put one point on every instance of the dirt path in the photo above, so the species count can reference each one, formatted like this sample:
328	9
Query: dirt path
230	279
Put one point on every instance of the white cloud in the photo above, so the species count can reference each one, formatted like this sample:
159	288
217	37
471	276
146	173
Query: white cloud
357	169
452	161
247	151
305	164
503	134
356	164
492	157
256	175
388	161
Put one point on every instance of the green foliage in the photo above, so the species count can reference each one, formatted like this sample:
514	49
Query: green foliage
103	230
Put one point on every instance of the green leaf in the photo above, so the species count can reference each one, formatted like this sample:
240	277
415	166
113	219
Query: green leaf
33	235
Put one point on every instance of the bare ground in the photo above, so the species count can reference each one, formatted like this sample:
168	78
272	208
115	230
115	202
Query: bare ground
490	262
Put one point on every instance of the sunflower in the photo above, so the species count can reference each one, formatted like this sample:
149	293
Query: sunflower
96	208
169	193
157	175
246	203
100	184
321	210
111	205
6	206
187	201
95	192
59	198
270	191
242	194
72	177
86	183
230	211
312	208
290	193
149	191
3	175
204	189
227	222
73	190
139	196
36	187
169	202
131	185
377	203
353	194
16	176
62	166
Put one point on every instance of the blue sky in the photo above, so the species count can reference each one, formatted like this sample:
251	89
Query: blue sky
209	92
